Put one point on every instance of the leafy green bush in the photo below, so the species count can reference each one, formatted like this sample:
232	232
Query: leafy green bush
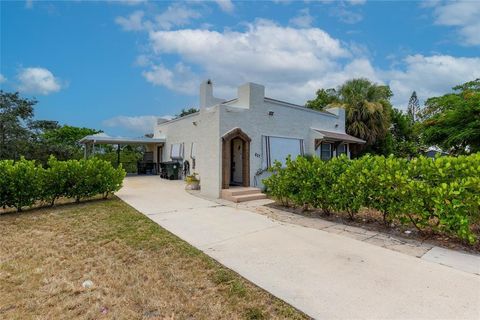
441	194
5	169
22	183
54	182
349	190
277	184
23	186
384	185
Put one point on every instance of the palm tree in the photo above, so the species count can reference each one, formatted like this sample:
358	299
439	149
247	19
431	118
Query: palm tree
367	109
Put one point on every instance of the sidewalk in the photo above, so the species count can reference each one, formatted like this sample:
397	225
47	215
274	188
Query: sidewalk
324	274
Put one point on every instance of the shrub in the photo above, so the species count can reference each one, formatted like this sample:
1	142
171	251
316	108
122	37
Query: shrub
350	187
22	183
385	185
441	194
5	190
326	176
54	182
277	184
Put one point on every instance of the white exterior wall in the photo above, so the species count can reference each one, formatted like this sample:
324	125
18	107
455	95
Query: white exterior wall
287	121
205	133
250	113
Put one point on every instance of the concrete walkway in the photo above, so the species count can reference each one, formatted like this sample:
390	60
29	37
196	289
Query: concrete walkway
326	275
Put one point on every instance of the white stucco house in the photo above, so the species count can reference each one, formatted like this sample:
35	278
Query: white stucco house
232	142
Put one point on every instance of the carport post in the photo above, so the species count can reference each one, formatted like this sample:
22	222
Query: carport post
118	155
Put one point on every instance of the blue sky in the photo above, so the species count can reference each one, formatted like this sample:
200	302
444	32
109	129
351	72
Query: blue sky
116	65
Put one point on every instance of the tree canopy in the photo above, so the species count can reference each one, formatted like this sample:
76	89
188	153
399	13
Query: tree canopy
21	135
413	107
452	121
403	138
367	107
184	112
15	114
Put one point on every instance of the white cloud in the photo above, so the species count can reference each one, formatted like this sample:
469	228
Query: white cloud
142	60
133	22
345	15
292	63
175	15
129	2
136	124
356	2
2	78
465	15
38	80
263	53
180	78
225	5
303	19
430	76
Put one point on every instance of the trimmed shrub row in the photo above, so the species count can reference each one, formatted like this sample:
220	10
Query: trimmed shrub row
440	195
23	183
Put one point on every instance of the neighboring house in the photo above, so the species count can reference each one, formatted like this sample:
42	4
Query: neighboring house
432	152
231	143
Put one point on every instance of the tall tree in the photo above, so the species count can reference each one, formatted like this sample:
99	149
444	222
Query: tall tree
413	107
62	141
20	135
324	98
403	135
15	113
452	121
367	107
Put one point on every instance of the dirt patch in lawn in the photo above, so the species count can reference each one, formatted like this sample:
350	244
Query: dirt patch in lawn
372	220
137	270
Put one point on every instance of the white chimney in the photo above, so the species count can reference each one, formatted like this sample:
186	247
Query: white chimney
206	95
250	94
340	113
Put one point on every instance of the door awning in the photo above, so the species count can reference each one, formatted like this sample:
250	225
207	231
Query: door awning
337	136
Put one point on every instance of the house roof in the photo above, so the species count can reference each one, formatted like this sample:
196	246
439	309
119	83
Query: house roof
287	104
104	139
337	136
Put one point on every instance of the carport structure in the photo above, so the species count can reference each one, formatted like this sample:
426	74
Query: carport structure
153	146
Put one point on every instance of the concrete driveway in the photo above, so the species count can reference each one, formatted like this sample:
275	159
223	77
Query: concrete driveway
327	276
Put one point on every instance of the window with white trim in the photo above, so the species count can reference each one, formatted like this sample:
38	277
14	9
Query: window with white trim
278	149
176	151
324	151
342	149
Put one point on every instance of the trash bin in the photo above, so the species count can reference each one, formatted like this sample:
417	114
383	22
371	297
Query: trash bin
170	170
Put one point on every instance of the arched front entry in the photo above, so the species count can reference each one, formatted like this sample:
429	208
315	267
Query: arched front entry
235	159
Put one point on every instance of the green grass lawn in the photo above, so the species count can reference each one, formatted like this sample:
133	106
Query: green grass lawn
139	270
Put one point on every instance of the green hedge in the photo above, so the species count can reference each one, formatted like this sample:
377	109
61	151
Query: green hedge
441	194
23	183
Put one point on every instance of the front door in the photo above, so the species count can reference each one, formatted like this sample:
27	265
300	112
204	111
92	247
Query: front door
235	159
236	162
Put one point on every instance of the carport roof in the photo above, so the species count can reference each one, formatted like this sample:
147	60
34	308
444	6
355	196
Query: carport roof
104	139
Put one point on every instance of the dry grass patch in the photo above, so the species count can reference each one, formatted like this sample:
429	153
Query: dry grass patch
138	270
